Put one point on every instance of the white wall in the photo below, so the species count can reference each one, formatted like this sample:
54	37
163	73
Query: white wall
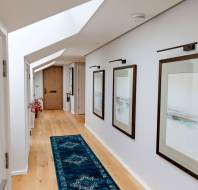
177	26
38	84
22	43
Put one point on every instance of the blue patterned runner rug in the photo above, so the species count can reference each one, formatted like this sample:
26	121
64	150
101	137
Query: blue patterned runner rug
77	167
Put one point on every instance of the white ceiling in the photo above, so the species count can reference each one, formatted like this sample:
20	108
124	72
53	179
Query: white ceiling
19	13
112	19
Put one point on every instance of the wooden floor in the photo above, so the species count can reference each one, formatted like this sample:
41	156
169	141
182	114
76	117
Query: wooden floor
41	175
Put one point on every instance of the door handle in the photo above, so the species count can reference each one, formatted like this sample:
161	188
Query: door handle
3	184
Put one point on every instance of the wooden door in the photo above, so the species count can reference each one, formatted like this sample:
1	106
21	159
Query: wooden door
53	88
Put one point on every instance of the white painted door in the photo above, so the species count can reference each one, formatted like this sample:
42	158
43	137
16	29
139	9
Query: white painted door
81	88
27	111
4	179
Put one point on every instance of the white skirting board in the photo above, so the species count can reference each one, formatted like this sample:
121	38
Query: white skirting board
19	172
138	179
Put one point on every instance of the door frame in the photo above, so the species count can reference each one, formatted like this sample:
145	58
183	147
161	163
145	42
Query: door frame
80	88
28	114
6	114
61	86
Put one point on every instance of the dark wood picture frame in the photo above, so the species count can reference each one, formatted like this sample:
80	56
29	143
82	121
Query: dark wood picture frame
161	63
133	106
103	93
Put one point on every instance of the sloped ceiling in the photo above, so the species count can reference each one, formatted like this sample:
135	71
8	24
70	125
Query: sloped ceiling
112	19
16	14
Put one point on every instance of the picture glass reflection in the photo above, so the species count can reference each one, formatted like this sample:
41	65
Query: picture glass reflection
178	112
122	97
182	113
124	87
98	94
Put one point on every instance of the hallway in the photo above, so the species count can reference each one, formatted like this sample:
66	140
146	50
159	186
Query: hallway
114	86
41	174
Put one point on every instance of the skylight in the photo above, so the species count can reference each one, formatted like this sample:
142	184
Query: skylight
47	59
45	66
55	28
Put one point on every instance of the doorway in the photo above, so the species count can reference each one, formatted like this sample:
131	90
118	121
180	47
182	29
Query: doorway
80	95
53	88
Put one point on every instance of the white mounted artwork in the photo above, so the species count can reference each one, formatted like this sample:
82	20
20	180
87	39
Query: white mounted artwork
124	97
178	112
98	93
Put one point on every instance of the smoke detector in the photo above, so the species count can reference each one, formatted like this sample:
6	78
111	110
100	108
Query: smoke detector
138	17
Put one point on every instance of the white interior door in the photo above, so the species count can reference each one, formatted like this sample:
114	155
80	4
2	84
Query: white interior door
4	175
27	111
81	88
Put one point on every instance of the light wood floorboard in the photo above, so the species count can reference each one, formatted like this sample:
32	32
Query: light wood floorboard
41	174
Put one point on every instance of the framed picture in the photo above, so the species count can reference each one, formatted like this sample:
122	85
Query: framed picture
99	93
124	99
71	81
177	135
